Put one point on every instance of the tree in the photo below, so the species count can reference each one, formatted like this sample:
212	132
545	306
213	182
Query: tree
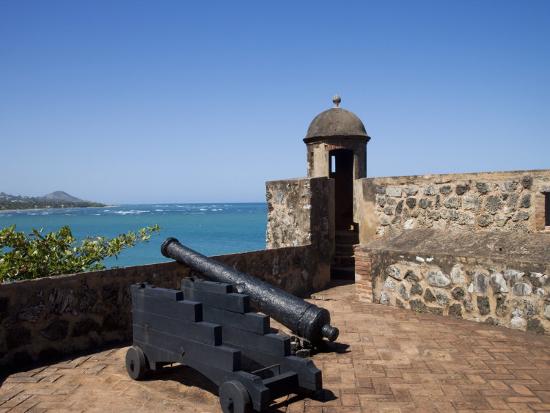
38	255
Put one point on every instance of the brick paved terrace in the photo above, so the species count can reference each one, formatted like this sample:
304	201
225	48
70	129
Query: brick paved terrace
397	361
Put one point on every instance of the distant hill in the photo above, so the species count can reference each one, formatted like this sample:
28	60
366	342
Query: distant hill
56	199
62	196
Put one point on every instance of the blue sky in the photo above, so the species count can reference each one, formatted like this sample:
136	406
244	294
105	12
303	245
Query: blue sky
174	101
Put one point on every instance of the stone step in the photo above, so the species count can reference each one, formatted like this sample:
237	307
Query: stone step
349	237
346	240
345	231
342	273
343	261
343	249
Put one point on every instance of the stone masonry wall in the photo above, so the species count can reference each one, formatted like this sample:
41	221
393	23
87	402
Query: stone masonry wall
500	287
301	212
478	290
50	317
288	213
497	201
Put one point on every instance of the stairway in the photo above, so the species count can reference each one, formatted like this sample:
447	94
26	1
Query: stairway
343	262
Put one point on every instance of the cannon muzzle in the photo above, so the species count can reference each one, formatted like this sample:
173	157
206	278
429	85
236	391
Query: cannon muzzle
303	318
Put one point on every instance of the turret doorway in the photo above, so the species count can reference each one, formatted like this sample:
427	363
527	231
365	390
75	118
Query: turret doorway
341	170
341	164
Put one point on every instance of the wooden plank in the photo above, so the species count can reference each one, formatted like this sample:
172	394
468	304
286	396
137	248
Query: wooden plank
237	303
223	357
273	344
204	332
184	310
252	322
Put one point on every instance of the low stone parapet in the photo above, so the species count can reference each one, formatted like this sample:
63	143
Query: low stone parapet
496	278
50	317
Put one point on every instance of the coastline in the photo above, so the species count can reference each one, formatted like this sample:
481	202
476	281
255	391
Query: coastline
50	209
212	229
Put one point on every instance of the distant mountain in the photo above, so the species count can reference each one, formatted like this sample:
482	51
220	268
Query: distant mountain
62	196
57	199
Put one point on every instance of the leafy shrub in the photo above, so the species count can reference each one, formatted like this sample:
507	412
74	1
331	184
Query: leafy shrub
38	255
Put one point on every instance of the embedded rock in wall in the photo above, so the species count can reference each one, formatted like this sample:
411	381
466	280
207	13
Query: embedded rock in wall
499	283
394	272
436	278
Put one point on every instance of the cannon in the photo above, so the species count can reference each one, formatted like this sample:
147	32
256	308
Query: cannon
302	318
209	327
208	324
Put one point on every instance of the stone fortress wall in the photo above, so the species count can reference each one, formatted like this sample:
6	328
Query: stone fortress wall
289	205
473	246
491	262
301	212
481	277
50	317
490	201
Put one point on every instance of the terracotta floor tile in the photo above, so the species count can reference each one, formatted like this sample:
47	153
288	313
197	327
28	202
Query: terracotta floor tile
397	361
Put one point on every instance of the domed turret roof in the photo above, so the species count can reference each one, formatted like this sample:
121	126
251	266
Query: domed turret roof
336	122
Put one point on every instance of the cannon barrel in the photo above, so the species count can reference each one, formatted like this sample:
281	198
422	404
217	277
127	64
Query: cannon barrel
303	318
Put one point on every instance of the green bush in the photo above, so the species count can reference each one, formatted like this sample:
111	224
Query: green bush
38	255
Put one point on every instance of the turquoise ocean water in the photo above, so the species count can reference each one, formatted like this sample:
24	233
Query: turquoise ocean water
208	228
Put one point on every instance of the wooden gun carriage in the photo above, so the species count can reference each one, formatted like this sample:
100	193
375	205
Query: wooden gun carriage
209	326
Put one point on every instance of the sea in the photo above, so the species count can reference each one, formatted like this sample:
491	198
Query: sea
211	229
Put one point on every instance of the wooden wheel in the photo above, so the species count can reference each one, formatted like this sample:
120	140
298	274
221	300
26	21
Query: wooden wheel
234	397
136	363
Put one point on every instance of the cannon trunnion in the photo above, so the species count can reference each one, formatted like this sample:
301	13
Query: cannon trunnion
208	326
